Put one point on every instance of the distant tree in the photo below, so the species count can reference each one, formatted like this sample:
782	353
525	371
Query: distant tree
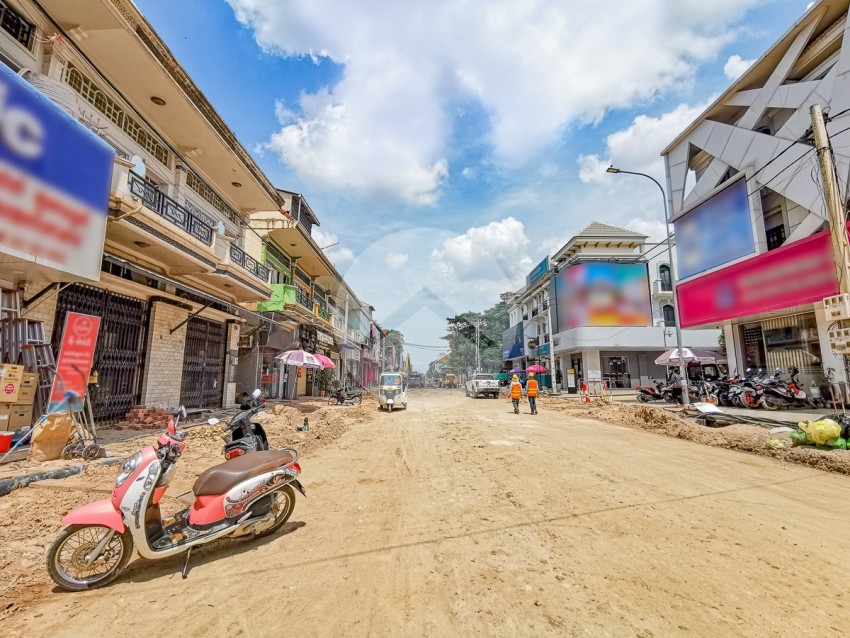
461	338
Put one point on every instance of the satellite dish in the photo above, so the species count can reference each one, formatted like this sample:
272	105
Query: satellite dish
138	165
220	228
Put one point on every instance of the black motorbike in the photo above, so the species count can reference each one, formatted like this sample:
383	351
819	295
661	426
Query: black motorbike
242	435
341	396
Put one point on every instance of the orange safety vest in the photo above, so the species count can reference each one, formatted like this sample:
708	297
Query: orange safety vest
516	390
531	385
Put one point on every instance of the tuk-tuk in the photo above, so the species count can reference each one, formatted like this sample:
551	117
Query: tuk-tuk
392	391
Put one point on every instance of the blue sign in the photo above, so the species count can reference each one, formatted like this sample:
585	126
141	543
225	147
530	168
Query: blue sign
543	350
715	232
539	271
513	343
55	177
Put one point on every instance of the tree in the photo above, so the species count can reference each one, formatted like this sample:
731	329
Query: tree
461	338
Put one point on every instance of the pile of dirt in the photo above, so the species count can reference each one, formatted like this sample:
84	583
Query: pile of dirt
31	517
739	436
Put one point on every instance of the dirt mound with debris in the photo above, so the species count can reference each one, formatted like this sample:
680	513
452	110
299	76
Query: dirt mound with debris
31	517
739	436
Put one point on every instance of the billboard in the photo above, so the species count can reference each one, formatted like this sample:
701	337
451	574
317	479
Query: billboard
603	294
513	342
55	177
800	273
540	271
715	232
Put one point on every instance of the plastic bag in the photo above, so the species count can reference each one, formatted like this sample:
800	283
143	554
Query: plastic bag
799	437
821	431
774	444
838	443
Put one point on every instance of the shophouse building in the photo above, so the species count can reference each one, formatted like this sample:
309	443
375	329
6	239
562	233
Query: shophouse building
746	201
602	307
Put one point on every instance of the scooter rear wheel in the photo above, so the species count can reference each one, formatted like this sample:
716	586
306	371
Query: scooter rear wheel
643	398
358	400
66	557
282	505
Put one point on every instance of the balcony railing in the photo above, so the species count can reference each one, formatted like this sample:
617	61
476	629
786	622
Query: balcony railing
167	208
355	335
323	312
241	258
303	299
661	287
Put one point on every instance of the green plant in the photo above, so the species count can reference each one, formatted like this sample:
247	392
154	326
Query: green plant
324	378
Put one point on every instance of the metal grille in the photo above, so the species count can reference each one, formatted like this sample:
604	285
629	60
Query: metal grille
12	22
119	357
203	363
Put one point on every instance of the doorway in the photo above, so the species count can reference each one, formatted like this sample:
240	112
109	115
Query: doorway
617	372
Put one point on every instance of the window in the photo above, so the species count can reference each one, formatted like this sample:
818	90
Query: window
13	24
775	237
669	315
200	187
666	278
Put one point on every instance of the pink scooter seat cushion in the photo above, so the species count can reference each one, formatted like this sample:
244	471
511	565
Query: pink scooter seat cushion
220	478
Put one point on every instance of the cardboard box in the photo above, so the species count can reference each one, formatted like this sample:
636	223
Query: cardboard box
5	411
28	389
20	415
10	382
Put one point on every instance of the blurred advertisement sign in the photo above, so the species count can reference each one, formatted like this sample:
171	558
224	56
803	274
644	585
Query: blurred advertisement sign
540	271
603	294
55	177
800	273
513	345
76	355
715	232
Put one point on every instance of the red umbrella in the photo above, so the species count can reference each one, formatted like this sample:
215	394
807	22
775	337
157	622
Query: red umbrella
325	361
536	369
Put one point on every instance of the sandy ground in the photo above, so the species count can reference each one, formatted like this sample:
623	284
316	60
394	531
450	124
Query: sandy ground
457	517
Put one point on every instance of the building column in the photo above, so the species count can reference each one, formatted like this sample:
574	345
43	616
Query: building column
591	364
231	361
731	348
164	364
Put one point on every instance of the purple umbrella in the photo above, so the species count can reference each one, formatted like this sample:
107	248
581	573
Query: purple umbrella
516	371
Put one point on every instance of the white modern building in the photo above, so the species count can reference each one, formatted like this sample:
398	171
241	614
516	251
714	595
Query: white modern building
745	198
591	346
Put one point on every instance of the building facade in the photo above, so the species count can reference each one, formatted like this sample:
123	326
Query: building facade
745	197
573	313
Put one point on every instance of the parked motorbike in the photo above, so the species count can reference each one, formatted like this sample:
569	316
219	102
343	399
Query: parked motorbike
673	393
725	389
341	396
242	435
650	393
251	494
748	393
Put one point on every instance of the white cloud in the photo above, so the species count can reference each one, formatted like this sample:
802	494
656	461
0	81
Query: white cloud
468	173
396	260
337	253
736	66
536	67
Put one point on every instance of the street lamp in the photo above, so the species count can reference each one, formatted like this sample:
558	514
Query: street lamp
683	369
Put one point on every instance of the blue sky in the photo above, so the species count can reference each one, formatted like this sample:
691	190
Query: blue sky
450	146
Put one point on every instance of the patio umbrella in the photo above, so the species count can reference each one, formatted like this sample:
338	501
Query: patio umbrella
537	369
325	361
516	371
691	355
299	358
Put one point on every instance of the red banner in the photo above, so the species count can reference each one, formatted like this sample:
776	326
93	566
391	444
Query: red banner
76	354
800	273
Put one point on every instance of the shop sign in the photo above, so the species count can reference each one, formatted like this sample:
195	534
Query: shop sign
55	177
539	271
269	379
543	350
326	339
800	273
76	354
512	342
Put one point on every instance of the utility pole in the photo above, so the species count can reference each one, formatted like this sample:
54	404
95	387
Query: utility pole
552	371
478	345
834	206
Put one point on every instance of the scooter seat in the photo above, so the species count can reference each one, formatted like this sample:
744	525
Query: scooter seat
220	478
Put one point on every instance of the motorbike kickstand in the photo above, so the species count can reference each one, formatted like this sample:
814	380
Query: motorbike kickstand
185	572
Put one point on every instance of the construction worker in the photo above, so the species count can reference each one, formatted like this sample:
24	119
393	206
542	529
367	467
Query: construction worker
516	392
531	392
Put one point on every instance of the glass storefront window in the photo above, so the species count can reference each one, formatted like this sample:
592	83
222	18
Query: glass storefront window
782	342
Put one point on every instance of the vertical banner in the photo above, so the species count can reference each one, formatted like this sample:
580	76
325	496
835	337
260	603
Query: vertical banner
76	354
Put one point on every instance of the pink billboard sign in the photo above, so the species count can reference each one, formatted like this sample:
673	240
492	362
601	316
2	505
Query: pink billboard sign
800	273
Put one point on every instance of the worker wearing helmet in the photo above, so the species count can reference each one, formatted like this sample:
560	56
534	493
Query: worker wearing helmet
516	392
531	392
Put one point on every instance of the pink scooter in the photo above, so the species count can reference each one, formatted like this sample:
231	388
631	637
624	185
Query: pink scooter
251	494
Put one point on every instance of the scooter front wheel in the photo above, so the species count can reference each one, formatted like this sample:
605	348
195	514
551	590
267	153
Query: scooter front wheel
283	504
358	400
69	553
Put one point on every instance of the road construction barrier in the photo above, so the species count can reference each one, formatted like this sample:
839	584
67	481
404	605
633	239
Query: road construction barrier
595	392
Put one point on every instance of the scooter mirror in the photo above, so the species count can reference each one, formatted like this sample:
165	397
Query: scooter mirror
256	393
182	411
213	421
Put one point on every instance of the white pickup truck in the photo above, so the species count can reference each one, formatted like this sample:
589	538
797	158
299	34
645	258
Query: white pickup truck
482	384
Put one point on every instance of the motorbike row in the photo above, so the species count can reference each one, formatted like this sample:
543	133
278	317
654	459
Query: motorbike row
754	390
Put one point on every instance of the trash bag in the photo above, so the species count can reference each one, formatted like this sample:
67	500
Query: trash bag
799	437
838	443
775	444
820	432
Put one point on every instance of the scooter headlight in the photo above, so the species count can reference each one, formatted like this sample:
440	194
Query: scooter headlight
130	465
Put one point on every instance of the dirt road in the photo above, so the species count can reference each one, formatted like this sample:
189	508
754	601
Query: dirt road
457	517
